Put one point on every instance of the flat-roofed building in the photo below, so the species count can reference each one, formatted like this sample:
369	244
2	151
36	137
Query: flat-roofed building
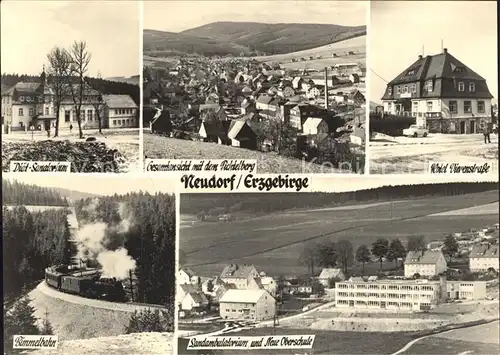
387	294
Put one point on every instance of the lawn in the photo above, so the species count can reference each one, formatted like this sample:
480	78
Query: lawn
280	237
325	342
158	147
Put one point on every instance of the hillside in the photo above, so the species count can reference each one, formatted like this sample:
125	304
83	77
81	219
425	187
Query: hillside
222	38
74	195
158	43
134	80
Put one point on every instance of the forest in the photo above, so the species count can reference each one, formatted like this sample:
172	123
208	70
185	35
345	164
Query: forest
19	194
149	240
101	85
34	240
216	204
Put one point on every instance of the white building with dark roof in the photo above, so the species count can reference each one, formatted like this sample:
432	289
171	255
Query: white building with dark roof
328	274
442	93
484	257
425	263
120	111
253	305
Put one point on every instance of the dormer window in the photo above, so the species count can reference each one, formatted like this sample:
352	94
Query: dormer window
398	89
389	91
472	87
428	86
461	86
413	88
405	89
21	98
410	72
459	70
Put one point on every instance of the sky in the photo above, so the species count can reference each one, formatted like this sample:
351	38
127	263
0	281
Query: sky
177	16
31	28
399	29
106	184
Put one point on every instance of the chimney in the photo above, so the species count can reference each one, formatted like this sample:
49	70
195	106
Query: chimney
445	50
326	88
420	56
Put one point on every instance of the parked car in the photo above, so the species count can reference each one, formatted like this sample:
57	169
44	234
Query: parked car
415	131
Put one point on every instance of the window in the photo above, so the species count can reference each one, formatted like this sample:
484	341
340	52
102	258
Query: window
459	70
429	106
21	113
31	112
428	86
405	89
411	72
461	86
21	98
472	87
46	111
90	115
117	112
453	107
67	115
413	88
480	107
114	122
28	98
398	89
467	107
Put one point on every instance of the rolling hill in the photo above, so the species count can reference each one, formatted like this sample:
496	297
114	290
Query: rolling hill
222	38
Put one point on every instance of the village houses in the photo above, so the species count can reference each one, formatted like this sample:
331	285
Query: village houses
328	275
32	106
484	257
424	263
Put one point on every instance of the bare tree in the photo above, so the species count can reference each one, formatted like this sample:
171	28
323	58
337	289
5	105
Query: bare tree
80	60
59	65
98	105
308	257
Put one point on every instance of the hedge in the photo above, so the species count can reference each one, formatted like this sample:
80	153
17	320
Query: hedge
391	125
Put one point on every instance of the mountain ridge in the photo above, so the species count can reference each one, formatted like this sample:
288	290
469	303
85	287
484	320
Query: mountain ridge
247	38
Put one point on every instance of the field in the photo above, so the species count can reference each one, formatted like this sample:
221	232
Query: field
412	155
222	38
481	339
158	147
357	45
280	237
326	342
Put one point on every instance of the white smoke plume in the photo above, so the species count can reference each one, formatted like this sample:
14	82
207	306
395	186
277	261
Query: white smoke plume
116	263
94	242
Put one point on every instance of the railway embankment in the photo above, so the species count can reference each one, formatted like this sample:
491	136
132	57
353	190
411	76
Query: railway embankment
74	317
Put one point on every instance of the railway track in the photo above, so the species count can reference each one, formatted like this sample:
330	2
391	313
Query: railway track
90	302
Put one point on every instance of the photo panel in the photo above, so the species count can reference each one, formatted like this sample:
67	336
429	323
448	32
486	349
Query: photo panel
70	86
433	87
90	264
364	269
284	87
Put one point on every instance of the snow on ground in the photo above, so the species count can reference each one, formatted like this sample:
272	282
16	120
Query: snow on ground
130	344
491	208
125	140
412	155
74	317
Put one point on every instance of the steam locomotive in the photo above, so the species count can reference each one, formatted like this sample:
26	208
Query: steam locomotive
86	282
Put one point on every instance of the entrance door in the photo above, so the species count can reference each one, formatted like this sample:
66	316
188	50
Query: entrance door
462	127
472	127
457	295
